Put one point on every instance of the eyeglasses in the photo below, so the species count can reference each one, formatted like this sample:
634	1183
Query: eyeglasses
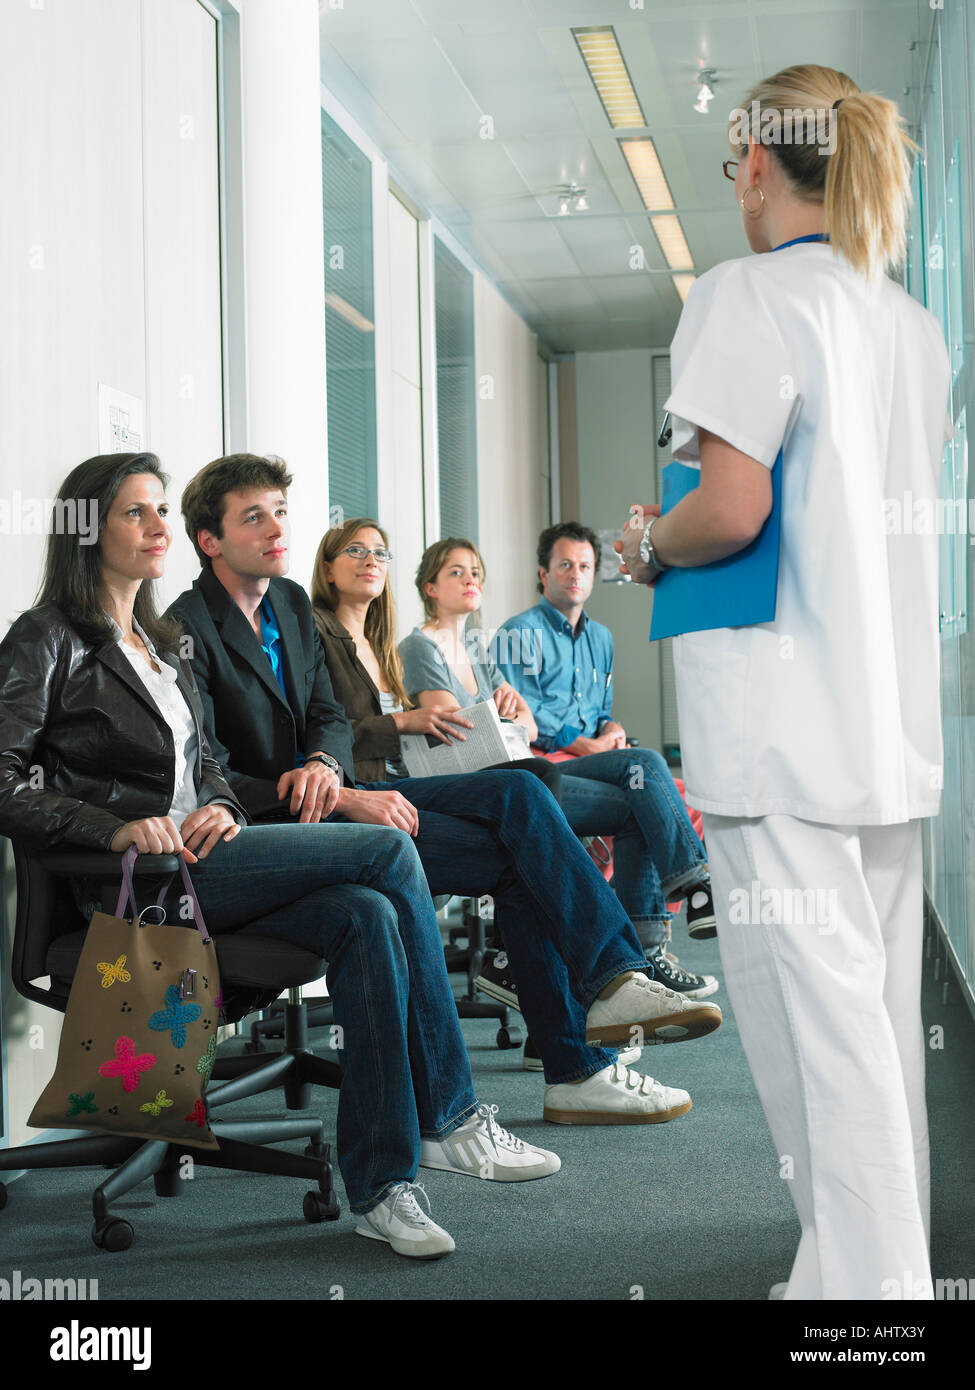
731	164
361	552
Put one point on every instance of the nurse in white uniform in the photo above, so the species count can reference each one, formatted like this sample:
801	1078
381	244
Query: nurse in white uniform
812	744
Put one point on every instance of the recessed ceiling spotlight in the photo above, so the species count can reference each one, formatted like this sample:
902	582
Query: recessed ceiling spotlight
572	198
705	94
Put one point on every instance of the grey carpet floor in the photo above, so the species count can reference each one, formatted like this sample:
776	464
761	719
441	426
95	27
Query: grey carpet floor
690	1210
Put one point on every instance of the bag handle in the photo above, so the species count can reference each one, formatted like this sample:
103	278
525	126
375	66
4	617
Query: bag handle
127	892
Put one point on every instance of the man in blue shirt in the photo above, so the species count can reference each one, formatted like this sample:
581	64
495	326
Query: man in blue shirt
561	661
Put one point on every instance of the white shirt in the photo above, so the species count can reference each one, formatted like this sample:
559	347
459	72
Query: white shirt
168	699
832	712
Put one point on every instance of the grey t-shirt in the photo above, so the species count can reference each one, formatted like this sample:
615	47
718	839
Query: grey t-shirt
425	668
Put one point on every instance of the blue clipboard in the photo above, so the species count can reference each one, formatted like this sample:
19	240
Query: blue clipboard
735	592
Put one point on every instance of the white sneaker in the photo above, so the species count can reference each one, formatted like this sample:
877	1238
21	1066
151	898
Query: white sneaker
531	1061
645	1011
401	1222
614	1096
482	1149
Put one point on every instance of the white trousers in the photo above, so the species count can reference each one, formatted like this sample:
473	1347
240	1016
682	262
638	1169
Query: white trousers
820	931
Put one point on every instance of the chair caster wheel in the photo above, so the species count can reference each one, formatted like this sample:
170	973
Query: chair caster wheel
317	1208
112	1235
508	1037
3	1196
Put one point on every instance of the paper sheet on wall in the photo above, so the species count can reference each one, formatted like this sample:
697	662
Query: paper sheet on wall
121	421
484	745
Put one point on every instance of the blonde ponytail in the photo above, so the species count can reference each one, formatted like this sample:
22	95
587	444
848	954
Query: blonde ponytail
853	158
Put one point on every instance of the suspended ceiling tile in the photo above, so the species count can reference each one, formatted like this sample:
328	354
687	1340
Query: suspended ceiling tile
571	295
808	37
568	157
599	245
478	171
414	84
533	249
390	19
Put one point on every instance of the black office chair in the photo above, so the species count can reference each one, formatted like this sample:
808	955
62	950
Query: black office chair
294	1018
49	933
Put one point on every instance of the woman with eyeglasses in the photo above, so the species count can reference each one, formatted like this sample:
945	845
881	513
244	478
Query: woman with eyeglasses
812	742
501	832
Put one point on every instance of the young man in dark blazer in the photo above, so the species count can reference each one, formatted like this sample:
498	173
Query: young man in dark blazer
287	749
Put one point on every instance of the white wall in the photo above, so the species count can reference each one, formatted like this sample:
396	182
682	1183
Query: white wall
400	470
512	462
110	271
284	258
616	433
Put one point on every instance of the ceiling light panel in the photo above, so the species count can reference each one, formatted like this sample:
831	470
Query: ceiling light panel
682	283
673	243
604	61
648	174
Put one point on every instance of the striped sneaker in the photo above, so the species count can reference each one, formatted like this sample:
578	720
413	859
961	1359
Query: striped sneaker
401	1222
482	1149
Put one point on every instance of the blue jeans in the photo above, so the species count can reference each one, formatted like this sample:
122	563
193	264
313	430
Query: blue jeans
356	895
565	933
631	795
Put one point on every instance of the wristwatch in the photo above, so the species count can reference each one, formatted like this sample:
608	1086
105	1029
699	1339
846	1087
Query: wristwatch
647	553
327	759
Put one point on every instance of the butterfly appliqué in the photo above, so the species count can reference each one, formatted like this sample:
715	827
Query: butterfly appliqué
127	1065
110	973
198	1116
205	1064
176	1015
156	1107
78	1105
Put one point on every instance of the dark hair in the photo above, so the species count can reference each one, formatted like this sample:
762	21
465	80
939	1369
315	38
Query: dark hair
73	570
565	530
432	562
204	504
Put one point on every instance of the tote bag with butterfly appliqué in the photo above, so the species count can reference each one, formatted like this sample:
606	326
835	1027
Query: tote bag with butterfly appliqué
140	1028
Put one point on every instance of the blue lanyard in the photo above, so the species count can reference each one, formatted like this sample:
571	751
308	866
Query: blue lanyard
814	236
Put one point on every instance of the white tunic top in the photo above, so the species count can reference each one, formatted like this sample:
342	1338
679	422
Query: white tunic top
832	712
168	699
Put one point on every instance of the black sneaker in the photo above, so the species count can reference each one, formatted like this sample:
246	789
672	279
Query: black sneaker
680	981
700	912
530	1059
495	979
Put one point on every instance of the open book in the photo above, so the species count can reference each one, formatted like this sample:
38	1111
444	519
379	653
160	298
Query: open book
484	745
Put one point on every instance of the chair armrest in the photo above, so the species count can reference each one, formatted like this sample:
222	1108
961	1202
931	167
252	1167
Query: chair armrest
66	863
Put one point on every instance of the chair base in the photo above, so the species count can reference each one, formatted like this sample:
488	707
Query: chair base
240	1150
294	1067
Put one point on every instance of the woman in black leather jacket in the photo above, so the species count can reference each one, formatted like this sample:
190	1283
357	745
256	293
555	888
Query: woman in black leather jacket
102	746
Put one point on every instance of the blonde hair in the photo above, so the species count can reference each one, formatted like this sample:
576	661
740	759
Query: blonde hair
380	624
432	562
864	184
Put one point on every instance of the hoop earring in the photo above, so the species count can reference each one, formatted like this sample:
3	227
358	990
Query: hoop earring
752	212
